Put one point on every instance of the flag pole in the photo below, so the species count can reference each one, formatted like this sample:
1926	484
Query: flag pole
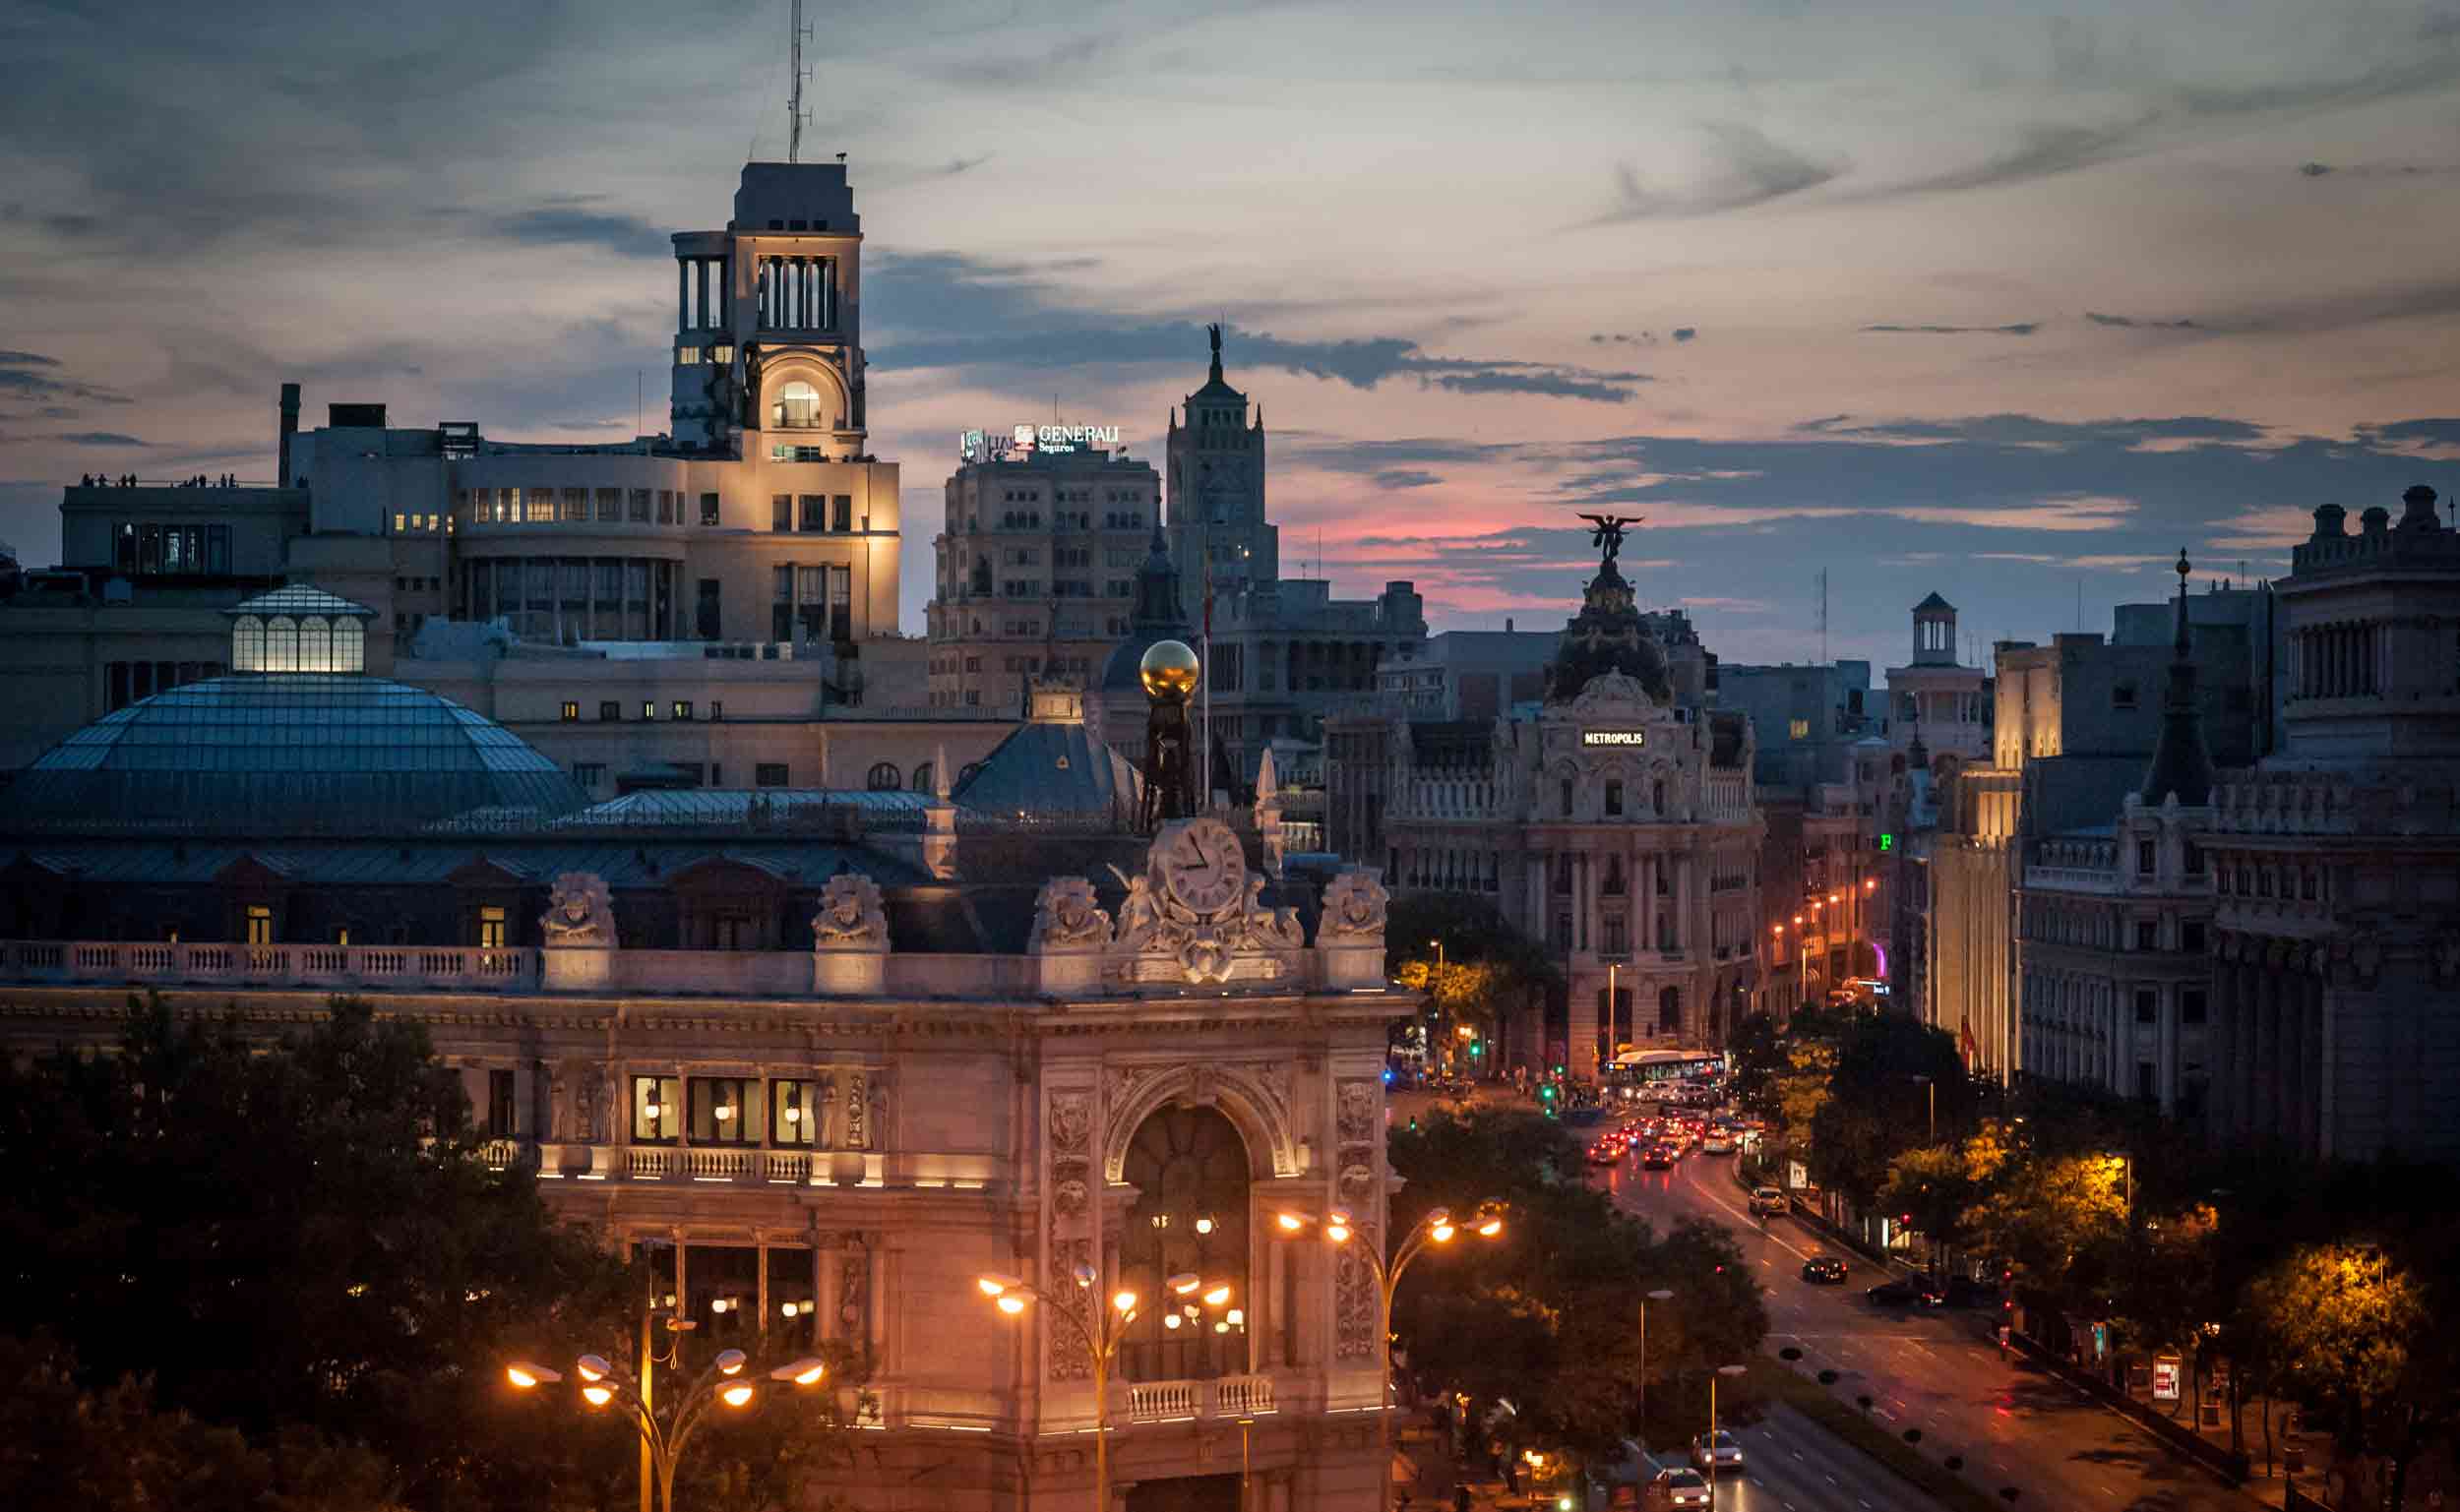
1204	776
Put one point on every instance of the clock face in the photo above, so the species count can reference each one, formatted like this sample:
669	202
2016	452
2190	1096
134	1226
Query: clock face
1201	865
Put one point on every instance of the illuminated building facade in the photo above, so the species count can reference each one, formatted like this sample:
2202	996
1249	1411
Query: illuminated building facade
839	1052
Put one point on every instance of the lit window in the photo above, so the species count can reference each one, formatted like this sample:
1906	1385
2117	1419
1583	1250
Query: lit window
656	1108
491	928
648	709
1799	729
259	925
683	709
571	710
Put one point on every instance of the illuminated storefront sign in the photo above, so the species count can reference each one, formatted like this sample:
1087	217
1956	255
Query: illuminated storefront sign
1614	737
1019	441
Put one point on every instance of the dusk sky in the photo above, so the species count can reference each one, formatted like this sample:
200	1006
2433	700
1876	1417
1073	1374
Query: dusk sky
1958	296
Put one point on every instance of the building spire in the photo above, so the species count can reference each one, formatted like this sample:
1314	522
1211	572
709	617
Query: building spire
2181	763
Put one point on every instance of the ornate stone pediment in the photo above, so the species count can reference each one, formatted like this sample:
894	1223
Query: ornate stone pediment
1197	915
1612	692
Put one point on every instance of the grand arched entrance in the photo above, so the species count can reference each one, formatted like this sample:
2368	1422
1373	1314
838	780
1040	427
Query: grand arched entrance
1190	1168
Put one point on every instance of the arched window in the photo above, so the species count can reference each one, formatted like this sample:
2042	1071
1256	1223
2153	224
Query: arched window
1566	798
1614	799
349	646
922	778
885	777
966	773
247	644
282	643
797	407
1657	799
1190	1169
316	644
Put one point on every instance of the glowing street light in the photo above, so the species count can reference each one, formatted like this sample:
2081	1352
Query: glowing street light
606	1385
1436	1228
1105	1333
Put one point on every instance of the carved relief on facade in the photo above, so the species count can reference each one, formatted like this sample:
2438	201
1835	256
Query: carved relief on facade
857	1111
1356	1303
1255	1094
1068	1361
1358	1109
854	1289
1357	1120
851	916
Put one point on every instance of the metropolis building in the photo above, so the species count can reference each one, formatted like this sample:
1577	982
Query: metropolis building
1616	825
837	1053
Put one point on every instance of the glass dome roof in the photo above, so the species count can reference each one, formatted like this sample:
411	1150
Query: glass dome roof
287	754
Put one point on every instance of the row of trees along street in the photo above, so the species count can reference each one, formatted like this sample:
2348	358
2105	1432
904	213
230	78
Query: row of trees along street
289	1279
2330	1288
1547	1317
1477	971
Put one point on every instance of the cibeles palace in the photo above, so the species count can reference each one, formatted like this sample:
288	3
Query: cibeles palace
831	1055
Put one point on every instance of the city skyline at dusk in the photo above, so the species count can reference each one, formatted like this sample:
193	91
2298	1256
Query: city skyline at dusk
2007	306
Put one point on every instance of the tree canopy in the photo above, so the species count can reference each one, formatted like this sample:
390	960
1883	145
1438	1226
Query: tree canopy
1548	1315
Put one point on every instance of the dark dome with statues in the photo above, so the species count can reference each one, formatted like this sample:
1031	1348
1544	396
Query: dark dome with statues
1608	634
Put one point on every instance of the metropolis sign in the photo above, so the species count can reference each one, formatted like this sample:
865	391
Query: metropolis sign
1018	442
1614	737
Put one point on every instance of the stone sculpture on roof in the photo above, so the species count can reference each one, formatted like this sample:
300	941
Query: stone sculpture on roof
580	911
1197	915
851	917
1355	907
1067	917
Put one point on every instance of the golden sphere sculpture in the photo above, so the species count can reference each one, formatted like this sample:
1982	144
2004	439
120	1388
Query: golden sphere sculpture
1168	670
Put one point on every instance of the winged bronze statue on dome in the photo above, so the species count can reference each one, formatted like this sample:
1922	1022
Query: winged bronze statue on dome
1609	533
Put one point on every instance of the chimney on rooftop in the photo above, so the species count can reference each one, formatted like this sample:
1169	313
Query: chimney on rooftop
290	431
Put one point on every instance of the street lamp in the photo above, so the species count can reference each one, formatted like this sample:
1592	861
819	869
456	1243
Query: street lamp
1101	1338
1436	1228
1728	1371
723	1383
1661	1295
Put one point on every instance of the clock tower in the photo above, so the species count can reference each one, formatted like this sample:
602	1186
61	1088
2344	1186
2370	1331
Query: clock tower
1216	493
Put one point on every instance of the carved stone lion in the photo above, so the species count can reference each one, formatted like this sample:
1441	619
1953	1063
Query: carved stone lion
1071	1196
851	917
1066	917
1355	906
580	912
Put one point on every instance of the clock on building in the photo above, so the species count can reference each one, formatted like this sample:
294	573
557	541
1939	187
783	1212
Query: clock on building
1200	864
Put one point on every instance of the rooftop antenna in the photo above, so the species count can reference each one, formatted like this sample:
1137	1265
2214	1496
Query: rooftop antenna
2079	606
1823	616
794	95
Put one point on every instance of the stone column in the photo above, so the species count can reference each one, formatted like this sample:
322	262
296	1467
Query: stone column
2310	1066
683	296
1682	903
2165	1055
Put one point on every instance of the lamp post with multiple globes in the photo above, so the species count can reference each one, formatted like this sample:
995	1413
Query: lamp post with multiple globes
724	1384
1436	1228
1106	1331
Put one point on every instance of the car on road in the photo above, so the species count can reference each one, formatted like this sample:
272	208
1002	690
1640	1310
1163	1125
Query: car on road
1766	1202
1824	1270
1676	1487
1657	1156
1606	1152
1904	1292
1965	1291
1716	1451
1717	1145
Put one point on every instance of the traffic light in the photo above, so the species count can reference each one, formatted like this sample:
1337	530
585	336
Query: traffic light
1477	1049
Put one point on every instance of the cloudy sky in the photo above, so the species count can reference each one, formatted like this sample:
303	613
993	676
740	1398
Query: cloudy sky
1960	294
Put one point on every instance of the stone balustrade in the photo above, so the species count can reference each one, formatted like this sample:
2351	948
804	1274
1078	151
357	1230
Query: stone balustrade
1228	1396
143	963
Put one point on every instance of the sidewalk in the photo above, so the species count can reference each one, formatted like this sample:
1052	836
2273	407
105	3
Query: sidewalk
1414	1436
